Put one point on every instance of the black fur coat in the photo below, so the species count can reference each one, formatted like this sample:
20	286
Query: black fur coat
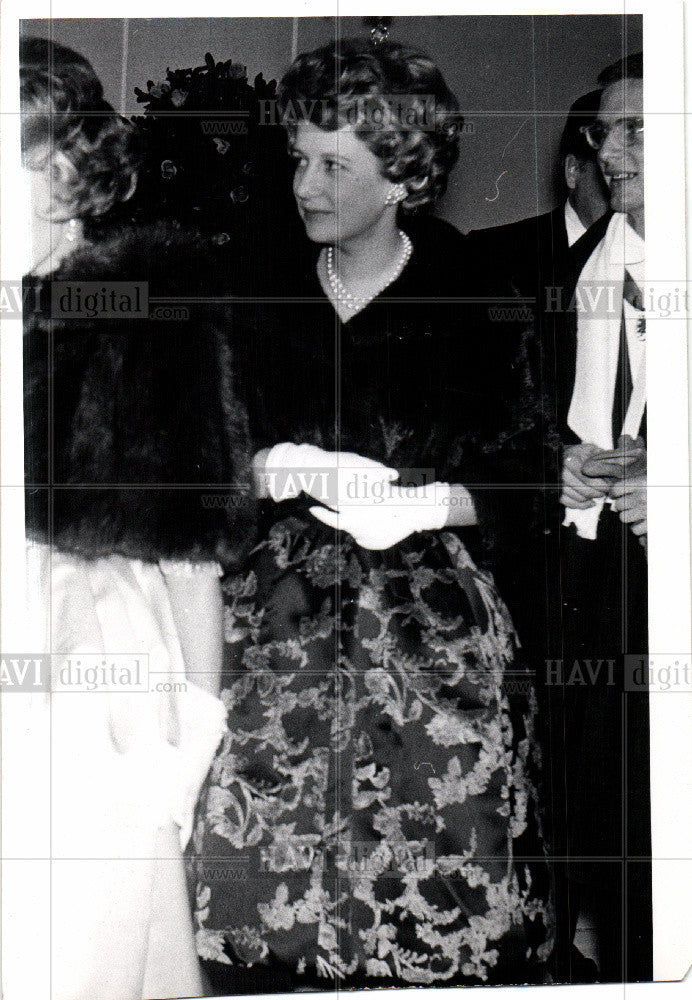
441	374
135	442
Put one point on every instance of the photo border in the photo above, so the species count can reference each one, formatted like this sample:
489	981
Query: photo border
668	414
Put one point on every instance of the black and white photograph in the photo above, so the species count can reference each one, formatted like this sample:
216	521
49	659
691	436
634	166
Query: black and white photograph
345	597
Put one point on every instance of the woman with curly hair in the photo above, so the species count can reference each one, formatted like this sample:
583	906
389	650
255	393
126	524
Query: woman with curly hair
370	817
132	431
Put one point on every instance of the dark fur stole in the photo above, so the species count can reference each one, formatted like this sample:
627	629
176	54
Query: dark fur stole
135	441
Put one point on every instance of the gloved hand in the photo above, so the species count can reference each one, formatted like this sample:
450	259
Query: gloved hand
332	477
379	523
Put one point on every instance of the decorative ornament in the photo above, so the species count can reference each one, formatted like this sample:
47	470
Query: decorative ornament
379	29
168	170
396	193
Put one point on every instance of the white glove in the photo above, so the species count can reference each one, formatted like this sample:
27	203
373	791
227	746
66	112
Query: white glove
332	477
385	521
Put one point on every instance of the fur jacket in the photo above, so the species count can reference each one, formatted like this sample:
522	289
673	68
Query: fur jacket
135	441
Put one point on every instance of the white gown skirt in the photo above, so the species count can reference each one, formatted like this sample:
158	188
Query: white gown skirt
129	747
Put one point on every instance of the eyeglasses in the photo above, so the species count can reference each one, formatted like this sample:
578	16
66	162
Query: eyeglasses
627	130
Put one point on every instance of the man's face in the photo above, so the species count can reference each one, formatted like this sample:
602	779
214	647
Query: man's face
621	156
589	194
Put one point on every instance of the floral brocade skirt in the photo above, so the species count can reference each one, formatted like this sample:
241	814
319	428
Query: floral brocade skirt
371	812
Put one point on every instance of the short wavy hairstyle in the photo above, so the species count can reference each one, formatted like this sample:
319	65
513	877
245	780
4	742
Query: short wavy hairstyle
352	82
68	127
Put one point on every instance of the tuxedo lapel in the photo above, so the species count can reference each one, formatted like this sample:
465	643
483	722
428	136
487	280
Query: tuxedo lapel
560	246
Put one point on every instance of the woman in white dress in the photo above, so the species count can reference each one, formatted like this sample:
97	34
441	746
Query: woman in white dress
137	494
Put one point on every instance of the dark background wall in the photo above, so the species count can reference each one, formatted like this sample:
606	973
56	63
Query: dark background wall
515	78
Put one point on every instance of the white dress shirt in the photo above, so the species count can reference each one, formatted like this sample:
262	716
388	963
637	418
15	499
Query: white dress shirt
573	224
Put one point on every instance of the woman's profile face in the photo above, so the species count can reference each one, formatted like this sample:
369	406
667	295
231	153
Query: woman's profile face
46	243
338	184
39	232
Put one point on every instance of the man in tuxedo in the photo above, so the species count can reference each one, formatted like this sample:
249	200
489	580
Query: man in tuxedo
568	600
603	573
539	259
540	252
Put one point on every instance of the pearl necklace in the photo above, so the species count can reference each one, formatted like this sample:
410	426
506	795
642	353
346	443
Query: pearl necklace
353	302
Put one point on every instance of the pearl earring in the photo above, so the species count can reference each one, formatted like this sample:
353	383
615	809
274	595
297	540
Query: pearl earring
71	234
396	193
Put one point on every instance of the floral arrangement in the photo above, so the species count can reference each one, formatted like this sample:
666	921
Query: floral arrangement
213	157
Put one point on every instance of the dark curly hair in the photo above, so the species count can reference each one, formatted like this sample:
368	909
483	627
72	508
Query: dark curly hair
67	125
352	81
